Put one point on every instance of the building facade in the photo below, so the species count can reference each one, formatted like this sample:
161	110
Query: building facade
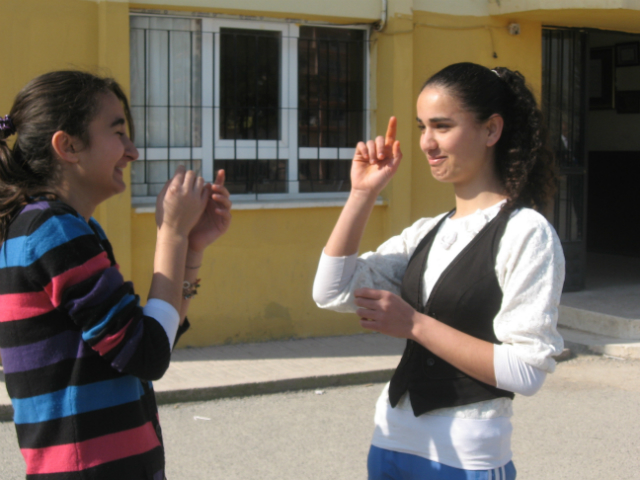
278	92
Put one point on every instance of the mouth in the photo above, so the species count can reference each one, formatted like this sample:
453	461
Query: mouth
435	161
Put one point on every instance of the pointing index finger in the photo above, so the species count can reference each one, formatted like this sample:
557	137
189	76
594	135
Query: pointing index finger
220	177
390	137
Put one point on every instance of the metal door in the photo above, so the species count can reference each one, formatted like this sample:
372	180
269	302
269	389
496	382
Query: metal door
564	103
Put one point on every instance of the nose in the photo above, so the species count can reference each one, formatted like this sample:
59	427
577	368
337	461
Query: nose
130	150
427	140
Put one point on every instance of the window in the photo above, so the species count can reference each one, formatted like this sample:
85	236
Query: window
278	106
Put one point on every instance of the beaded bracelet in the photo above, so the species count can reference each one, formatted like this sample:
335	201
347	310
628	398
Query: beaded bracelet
190	289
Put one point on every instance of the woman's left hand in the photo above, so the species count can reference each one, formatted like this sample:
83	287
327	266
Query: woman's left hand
385	312
216	218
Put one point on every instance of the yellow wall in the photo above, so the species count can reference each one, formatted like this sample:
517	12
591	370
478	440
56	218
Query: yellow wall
338	11
625	20
256	281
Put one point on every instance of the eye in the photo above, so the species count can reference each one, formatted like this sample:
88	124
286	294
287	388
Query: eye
421	127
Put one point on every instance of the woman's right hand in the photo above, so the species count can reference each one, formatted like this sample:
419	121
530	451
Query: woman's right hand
375	162
182	201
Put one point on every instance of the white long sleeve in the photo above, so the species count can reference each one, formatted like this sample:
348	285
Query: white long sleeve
166	315
332	277
514	374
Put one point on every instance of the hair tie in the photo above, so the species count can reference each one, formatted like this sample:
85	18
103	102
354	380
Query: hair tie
6	125
496	72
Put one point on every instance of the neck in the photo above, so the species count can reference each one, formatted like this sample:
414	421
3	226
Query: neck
477	195
75	198
484	200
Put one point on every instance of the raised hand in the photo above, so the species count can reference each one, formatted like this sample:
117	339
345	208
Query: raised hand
182	201
215	219
376	161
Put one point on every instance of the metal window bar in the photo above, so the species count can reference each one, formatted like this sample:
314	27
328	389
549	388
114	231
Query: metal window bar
564	105
190	136
146	107
336	122
169	105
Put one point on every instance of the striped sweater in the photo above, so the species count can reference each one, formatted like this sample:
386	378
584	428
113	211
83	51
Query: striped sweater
78	353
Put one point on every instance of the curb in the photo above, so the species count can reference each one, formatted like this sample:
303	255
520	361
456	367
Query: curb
276	386
594	344
597	323
6	413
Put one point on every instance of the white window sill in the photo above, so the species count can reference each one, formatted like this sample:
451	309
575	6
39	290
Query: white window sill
140	207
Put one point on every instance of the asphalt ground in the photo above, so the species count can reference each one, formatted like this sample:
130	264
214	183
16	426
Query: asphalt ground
584	424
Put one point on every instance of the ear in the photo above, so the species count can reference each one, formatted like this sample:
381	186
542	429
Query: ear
494	129
65	146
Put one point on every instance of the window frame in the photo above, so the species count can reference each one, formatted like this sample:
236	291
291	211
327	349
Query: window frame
286	148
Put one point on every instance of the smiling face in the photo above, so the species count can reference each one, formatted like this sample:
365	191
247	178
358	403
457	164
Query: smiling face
459	149
100	166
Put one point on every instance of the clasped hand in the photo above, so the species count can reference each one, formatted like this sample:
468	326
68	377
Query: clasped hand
386	312
192	207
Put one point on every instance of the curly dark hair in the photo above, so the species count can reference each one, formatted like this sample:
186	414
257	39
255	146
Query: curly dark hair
67	101
523	161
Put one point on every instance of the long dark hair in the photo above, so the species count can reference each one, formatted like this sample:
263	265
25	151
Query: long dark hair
58	101
523	161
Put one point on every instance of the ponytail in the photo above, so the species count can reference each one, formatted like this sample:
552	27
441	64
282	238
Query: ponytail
523	161
20	179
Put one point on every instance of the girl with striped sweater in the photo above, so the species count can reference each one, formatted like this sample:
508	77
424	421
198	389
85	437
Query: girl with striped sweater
79	352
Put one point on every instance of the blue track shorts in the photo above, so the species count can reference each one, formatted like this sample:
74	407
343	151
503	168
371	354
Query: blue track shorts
389	465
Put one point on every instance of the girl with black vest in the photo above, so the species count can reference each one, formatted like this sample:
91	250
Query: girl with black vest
475	291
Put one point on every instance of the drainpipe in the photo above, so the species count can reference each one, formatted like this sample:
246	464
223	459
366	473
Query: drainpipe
379	26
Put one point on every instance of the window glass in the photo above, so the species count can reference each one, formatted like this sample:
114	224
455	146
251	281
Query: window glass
331	87
249	84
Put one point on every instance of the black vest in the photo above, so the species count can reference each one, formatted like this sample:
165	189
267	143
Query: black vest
467	297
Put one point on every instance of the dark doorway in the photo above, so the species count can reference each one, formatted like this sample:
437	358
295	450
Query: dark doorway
591	100
613	144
